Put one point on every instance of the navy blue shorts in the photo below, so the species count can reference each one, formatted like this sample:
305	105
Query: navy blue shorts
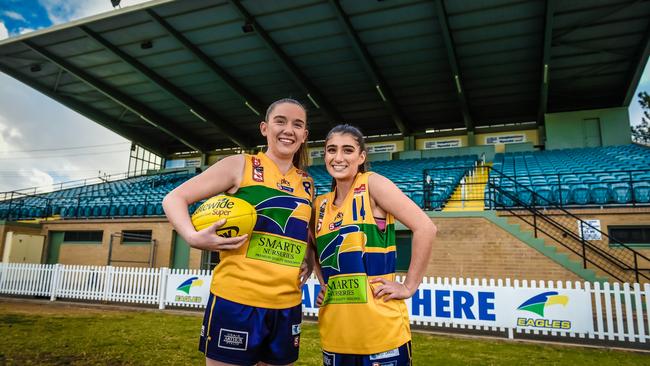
396	357
245	335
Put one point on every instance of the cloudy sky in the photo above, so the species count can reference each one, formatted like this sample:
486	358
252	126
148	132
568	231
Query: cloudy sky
43	142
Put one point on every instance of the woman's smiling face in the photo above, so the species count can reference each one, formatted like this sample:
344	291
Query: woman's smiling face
343	156
285	130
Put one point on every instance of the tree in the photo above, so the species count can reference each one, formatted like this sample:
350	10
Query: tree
641	133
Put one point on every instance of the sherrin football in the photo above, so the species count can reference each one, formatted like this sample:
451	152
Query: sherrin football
240	215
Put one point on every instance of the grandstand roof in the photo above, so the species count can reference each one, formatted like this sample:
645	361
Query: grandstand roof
194	75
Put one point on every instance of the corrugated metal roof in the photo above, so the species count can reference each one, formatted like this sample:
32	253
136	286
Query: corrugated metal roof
387	66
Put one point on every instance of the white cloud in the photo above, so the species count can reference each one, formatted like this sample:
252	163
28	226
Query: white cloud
37	178
22	30
64	11
13	15
24	128
4	33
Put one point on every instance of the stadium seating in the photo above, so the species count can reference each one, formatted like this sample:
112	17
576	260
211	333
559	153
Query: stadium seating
142	196
138	196
409	176
614	175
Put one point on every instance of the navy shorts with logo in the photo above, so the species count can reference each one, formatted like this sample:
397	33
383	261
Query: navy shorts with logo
244	335
396	357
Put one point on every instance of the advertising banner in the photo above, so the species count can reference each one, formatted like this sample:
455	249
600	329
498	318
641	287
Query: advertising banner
525	308
187	289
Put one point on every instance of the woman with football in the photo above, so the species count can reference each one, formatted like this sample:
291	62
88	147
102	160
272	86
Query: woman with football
254	312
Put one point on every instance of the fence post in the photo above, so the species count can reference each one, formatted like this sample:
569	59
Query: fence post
3	275
636	268
108	283
54	282
584	251
162	287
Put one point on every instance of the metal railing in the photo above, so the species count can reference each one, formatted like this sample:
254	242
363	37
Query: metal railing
547	218
99	202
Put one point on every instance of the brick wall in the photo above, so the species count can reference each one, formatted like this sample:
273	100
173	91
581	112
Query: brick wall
477	248
608	217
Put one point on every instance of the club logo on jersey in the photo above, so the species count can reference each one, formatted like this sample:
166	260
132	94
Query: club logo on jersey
329	256
258	170
279	212
285	185
338	220
321	215
258	174
360	190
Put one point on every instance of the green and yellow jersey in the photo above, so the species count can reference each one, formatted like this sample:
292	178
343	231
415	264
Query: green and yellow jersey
264	271
352	250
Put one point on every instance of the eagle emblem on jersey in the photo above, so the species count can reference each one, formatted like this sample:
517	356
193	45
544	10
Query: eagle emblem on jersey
349	238
281	211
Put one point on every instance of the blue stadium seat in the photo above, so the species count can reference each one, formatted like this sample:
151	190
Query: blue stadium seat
642	192
621	192
580	194
599	193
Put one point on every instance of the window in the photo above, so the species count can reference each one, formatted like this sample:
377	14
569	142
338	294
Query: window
136	237
83	237
403	248
635	236
209	260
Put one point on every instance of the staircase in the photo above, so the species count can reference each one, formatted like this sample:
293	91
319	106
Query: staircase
470	193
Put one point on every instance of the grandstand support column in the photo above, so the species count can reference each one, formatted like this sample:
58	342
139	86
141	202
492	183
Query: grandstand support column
545	69
541	133
471	140
204	159
409	143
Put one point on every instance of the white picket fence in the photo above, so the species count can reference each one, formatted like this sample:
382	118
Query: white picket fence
608	312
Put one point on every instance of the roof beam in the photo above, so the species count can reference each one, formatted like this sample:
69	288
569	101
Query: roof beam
134	106
381	86
589	21
314	95
637	70
546	59
249	99
195	107
453	63
84	109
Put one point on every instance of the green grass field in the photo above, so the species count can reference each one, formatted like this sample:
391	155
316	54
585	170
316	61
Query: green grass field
57	334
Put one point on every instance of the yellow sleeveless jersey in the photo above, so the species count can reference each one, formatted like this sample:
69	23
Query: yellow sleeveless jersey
264	271
351	251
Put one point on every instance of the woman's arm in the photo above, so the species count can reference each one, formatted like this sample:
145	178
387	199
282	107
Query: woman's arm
223	176
388	197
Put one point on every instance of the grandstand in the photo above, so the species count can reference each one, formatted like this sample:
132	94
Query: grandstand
506	121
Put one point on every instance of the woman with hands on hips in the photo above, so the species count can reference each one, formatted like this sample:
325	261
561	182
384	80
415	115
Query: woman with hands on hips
254	312
362	318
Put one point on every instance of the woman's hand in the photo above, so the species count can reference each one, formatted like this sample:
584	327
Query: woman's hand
206	239
321	296
390	289
306	268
